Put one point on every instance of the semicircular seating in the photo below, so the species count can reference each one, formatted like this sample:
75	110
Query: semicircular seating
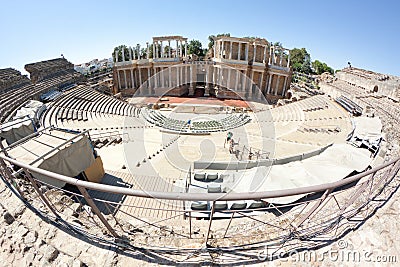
230	122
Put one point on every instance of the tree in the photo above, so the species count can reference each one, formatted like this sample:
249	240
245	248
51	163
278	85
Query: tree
143	52
320	67
300	60
195	48
166	50
280	50
151	55
120	48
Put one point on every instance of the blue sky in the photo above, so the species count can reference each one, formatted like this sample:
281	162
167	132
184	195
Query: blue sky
366	33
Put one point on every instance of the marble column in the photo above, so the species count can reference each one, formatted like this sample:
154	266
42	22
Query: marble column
284	86
177	76
273	56
215	49
221	77
243	80
126	85
148	50
123	54
119	80
182	77
251	82
169	48
148	77
162	49
288	63
154	50
277	84
116	55
217	77
162	78
228	83
169	77
270	56
213	78
180	50
247	52
138	51
265	54
237	80
222	49
155	77
132	79
130	53
140	77
261	81
230	51
190	74
209	77
239	50
254	52
185	48
270	76
177	48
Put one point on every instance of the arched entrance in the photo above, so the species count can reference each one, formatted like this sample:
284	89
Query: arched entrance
375	88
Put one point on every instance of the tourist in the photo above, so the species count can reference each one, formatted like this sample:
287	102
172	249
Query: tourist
229	136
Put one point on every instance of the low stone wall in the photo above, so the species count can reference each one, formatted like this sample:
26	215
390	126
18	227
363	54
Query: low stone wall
247	164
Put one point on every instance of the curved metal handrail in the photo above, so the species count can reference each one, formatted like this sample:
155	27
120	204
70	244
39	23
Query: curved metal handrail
199	196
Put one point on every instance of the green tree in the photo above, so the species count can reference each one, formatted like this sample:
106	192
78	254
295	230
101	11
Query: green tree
300	60
143	52
120	48
166	50
317	66
320	67
158	49
280	50
195	48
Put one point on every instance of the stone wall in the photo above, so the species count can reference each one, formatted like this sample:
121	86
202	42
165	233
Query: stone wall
44	69
371	81
11	78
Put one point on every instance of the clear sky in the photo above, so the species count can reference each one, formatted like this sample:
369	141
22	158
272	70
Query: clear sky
366	33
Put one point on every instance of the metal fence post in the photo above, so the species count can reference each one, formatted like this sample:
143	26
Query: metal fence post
315	207
10	177
96	210
190	224
211	218
41	195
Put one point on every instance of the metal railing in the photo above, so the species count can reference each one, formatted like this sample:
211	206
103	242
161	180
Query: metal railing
322	214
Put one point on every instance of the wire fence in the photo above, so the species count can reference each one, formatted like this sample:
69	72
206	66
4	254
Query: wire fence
323	214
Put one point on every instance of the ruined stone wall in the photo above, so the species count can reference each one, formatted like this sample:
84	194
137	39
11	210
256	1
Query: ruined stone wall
44	69
11	78
369	82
